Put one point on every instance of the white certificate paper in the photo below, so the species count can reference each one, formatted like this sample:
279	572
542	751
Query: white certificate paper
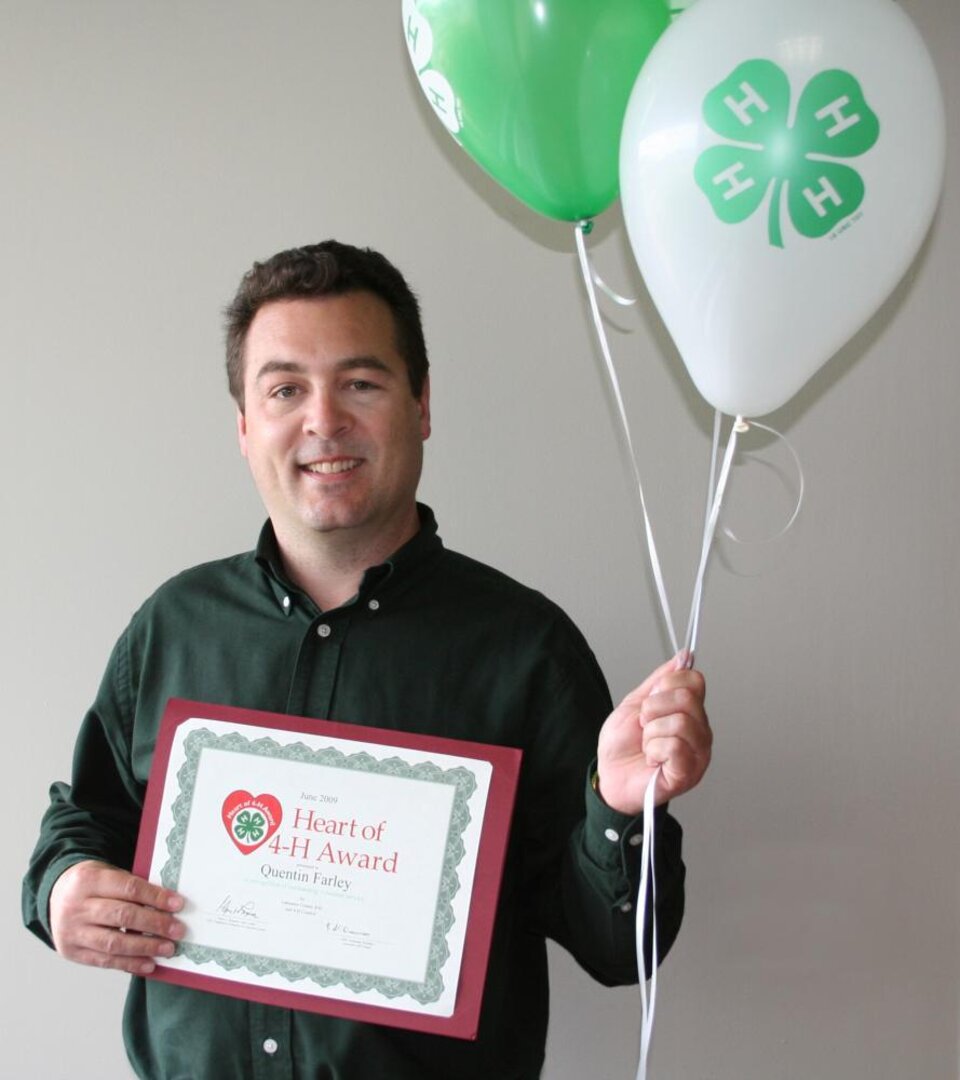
322	871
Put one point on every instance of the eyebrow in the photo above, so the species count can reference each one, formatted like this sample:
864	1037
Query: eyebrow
350	363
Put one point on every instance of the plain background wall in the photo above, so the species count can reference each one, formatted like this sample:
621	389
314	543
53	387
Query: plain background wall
151	151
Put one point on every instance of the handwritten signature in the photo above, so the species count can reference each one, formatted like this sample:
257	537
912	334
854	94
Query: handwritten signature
246	910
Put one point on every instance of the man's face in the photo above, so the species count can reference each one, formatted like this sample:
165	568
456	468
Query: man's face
330	428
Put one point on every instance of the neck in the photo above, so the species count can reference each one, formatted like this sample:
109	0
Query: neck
329	566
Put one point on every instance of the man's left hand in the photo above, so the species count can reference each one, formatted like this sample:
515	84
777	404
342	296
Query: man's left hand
660	724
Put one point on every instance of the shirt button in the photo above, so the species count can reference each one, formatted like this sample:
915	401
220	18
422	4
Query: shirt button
270	1046
626	908
636	840
374	605
323	630
286	603
612	835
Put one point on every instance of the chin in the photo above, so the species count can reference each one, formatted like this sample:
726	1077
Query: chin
330	521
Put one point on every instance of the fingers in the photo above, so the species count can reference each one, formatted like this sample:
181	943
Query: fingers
646	687
102	880
130	965
680	743
97	879
133	918
676	713
102	947
682	700
106	917
674	745
669	691
684	660
662	723
672	674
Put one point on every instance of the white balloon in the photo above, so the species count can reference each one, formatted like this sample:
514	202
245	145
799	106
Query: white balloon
780	164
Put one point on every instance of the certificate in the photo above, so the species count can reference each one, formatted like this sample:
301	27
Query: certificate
341	869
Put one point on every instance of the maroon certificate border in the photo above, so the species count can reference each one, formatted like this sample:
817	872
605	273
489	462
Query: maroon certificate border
463	1023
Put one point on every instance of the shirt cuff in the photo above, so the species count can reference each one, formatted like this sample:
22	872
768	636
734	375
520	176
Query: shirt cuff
611	840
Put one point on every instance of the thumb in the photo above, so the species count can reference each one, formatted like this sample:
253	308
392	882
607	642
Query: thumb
680	662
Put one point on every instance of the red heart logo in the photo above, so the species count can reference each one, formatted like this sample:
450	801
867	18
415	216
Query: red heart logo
250	820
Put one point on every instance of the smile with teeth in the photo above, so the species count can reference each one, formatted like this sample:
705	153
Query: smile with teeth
341	465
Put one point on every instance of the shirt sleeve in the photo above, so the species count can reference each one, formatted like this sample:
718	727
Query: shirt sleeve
582	857
606	861
98	814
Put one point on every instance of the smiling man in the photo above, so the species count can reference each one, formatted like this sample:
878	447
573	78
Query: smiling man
333	433
351	609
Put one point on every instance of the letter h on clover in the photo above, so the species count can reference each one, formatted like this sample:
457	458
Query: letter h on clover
751	107
249	826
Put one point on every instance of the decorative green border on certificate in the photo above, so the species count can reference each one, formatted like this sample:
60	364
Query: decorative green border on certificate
464	784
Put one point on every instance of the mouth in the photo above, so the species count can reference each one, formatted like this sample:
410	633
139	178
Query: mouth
331	466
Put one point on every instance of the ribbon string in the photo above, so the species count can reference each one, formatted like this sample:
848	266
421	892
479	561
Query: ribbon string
801	488
716	489
709	530
694	626
623	301
587	273
648	883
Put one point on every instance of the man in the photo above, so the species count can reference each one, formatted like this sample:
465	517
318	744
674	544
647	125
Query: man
351	609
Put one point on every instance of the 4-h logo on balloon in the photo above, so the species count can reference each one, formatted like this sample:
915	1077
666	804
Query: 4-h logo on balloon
751	107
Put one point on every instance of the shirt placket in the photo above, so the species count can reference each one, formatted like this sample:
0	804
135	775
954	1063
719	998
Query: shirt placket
312	686
271	1043
314	679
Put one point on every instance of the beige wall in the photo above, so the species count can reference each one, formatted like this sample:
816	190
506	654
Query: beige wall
150	152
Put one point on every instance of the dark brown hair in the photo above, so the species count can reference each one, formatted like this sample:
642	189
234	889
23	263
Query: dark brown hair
325	269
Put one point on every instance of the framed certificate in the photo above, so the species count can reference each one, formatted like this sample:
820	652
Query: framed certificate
340	869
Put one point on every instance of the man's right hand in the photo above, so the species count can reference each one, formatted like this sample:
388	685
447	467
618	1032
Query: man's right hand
109	918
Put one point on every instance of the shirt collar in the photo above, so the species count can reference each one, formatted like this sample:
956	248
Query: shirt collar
416	551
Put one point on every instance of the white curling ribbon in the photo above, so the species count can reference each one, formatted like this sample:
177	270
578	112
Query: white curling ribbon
625	426
617	298
709	529
714	450
716	489
796	509
648	882
693	630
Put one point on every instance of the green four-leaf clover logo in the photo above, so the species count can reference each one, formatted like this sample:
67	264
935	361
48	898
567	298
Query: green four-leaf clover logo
751	107
249	826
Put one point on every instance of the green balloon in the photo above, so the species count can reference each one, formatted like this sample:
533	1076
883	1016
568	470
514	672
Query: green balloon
535	90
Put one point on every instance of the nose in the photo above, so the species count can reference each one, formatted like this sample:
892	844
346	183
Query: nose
325	415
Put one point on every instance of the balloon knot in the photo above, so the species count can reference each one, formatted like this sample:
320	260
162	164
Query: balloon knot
586	226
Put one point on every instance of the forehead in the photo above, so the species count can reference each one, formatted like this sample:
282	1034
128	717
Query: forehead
322	329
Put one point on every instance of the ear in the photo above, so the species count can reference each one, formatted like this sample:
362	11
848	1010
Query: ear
242	432
423	405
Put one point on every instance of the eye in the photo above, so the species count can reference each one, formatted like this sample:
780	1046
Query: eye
362	385
285	392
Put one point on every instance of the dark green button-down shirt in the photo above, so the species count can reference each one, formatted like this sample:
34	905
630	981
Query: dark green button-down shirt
434	643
